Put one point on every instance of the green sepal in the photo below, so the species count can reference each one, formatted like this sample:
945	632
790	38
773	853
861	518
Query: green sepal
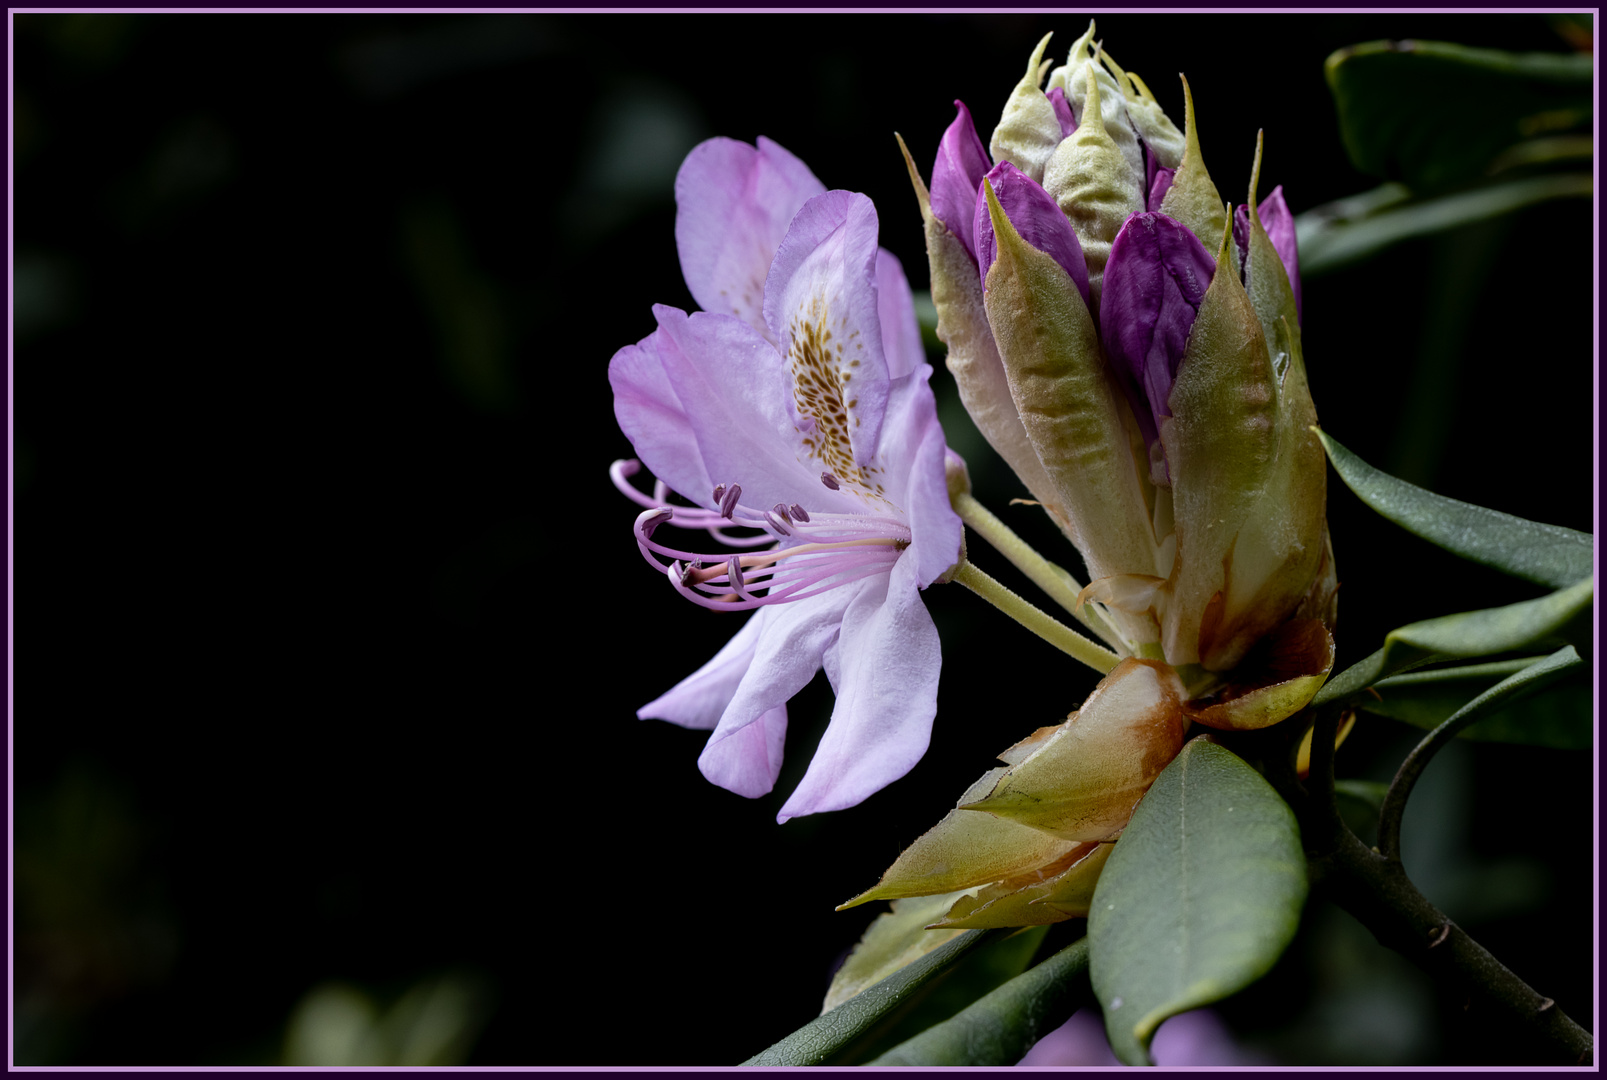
1107	100
1093	178
1057	374
1248	483
893	941
1302	651
1199	899
1000	1027
1160	135
973	358
1028	130
1545	554
964	850
1193	199
1084	780
1054	893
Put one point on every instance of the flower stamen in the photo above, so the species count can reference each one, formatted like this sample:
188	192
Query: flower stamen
812	553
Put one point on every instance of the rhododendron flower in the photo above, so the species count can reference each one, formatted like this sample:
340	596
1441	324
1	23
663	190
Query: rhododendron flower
795	408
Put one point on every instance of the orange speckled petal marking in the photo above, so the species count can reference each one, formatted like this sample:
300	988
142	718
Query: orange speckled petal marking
821	305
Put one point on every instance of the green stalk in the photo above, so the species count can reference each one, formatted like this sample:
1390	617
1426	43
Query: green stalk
1061	586
1054	632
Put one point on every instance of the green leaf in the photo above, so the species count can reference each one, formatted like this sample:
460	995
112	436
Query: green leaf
1547	620
1001	1027
1335	235
894	940
817	1041
1545	554
1199	899
928	991
1532	678
1560	718
1434	115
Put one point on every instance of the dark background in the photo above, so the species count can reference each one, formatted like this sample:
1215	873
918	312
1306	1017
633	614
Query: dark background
329	627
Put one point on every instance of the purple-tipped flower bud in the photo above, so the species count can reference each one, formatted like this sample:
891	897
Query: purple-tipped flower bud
1036	217
961	163
1280	226
1166	425
1154	282
1062	107
1159	187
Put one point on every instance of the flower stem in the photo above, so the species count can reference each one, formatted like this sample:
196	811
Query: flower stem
1054	632
1061	586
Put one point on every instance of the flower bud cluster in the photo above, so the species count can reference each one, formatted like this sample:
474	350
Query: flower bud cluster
1131	346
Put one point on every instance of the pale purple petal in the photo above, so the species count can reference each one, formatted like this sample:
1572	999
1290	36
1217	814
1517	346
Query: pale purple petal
961	163
791	640
1279	223
1036	216
821	305
1062	107
733	205
652	417
733	391
884	668
700	699
749	759
913	453
1155	279
895	308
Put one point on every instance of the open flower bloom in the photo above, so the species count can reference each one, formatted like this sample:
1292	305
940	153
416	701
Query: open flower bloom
1132	349
796	408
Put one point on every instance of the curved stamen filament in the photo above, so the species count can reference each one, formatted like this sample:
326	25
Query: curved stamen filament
711	587
816	551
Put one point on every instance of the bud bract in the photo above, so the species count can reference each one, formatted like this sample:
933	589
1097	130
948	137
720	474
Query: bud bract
1030	838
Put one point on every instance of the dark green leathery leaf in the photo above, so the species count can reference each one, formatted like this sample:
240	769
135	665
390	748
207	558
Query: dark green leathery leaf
824	1039
1544	621
1404	113
999	1028
1557	709
1199	899
1545	554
